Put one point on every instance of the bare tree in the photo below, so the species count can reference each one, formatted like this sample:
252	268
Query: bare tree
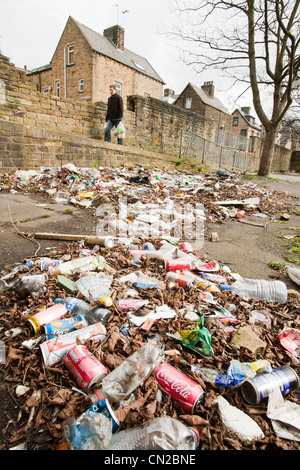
253	42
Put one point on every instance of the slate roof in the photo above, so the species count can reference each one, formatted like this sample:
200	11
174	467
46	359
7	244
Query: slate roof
213	102
245	116
104	46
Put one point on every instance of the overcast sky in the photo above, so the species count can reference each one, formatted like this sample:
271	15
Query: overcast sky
30	31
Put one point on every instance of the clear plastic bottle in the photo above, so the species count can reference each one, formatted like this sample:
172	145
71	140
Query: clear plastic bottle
259	289
122	381
81	307
158	434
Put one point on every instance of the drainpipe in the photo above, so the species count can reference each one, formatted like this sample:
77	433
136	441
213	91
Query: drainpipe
65	72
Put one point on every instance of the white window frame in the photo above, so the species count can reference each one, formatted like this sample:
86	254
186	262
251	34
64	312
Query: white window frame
57	88
81	85
71	50
188	103
46	90
118	86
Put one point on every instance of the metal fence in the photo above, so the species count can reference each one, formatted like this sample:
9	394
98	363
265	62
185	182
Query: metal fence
234	141
201	150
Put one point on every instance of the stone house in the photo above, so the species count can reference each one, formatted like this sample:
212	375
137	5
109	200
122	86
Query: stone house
204	102
85	63
244	124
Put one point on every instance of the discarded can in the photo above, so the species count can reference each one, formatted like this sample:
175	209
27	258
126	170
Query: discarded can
184	281
103	407
45	316
131	304
55	349
46	263
240	213
85	368
258	389
177	264
133	254
172	382
186	247
64	326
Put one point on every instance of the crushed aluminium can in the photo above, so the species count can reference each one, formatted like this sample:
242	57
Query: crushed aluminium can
55	349
46	263
184	281
177	264
258	389
45	316
176	384
84	367
64	326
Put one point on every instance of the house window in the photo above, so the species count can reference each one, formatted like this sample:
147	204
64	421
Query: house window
46	90
57	87
188	103
118	88
71	54
139	66
244	132
235	121
81	85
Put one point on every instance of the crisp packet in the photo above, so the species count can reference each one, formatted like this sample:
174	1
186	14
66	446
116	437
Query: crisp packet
289	338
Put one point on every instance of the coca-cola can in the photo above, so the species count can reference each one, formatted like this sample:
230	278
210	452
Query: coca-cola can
84	366
176	384
184	281
177	264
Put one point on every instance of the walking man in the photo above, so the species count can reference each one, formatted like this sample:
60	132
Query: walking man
114	113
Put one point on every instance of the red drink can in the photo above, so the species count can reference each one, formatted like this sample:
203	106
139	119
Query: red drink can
186	247
181	279
175	264
174	383
84	366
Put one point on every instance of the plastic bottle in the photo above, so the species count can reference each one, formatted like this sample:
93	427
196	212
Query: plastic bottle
2	353
20	268
81	307
122	381
88	263
159	434
259	289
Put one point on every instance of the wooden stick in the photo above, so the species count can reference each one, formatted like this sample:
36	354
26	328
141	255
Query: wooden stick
88	239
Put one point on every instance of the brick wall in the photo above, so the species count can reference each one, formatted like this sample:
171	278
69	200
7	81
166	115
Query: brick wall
209	112
41	130
97	71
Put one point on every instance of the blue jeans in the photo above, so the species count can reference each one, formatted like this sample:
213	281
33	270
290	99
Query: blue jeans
110	124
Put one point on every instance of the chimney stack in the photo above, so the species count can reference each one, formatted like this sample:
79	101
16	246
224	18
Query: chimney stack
116	34
209	88
246	110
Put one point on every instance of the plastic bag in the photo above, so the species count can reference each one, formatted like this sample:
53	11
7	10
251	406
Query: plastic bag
197	340
91	431
120	131
236	373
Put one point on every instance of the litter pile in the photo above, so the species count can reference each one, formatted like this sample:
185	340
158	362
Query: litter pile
132	340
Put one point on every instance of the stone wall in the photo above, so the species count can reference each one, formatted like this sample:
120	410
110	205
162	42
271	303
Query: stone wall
42	130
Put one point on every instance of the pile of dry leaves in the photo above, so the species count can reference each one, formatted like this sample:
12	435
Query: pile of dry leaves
49	397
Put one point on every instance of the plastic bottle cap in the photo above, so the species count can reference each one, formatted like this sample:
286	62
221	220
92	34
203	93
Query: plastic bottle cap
197	433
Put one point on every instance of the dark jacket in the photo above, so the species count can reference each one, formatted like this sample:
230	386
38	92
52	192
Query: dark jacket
114	108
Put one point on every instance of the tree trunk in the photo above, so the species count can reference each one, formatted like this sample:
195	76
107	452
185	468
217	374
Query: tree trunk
267	151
